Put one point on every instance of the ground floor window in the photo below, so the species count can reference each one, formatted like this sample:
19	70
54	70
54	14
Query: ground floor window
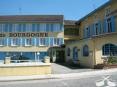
85	51
17	57
109	50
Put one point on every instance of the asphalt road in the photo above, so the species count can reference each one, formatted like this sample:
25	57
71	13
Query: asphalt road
89	81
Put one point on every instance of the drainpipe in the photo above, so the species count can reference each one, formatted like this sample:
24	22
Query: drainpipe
94	58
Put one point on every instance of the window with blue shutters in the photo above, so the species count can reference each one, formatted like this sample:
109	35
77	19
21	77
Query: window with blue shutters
56	27
56	41
42	27
1	41
15	41
28	41
87	32
109	25
42	41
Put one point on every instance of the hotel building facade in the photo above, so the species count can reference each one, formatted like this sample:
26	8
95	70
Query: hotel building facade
29	37
97	38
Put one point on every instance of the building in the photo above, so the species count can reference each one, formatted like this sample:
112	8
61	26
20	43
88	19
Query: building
97	37
30	36
71	34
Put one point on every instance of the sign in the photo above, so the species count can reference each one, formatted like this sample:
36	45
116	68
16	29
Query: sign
23	34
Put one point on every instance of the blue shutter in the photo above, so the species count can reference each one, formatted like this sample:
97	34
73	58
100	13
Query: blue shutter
105	26
37	41
113	23
89	31
9	41
47	41
93	30
99	27
84	33
19	28
23	41
51	41
10	27
18	41
5	41
33	41
47	27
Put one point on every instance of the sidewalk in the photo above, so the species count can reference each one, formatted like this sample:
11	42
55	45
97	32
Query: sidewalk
57	76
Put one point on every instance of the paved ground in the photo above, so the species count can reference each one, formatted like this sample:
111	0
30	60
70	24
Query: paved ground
87	81
63	69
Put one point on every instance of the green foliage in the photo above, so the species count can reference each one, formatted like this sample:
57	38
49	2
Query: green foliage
112	60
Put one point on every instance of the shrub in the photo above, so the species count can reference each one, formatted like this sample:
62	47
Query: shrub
112	60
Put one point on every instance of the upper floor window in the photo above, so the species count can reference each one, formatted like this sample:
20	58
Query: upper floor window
109	25
87	32
109	50
86	51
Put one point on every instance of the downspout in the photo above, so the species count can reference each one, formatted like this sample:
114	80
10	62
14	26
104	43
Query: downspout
94	58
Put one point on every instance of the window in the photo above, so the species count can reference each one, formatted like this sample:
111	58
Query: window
56	41
14	41
28	27
75	53
109	50
86	51
107	11
109	25
43	27
28	42
15	28
42	42
56	27
68	52
1	27
87	32
1	41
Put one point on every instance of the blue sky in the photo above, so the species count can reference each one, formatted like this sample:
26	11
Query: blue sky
71	9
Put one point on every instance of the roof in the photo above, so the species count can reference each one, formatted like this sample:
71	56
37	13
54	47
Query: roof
104	5
31	18
69	22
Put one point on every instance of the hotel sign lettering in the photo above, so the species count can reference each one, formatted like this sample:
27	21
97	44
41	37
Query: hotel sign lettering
23	34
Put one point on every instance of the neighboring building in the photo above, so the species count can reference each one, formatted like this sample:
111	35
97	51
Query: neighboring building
97	37
29	37
71	31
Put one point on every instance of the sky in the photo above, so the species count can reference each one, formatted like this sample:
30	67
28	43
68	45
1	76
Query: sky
71	9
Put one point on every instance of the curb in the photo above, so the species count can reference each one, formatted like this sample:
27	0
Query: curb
57	76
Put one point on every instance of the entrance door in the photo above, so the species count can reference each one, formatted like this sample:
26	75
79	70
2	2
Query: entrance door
75	54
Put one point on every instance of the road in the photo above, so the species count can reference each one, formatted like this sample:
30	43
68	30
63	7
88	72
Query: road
87	81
